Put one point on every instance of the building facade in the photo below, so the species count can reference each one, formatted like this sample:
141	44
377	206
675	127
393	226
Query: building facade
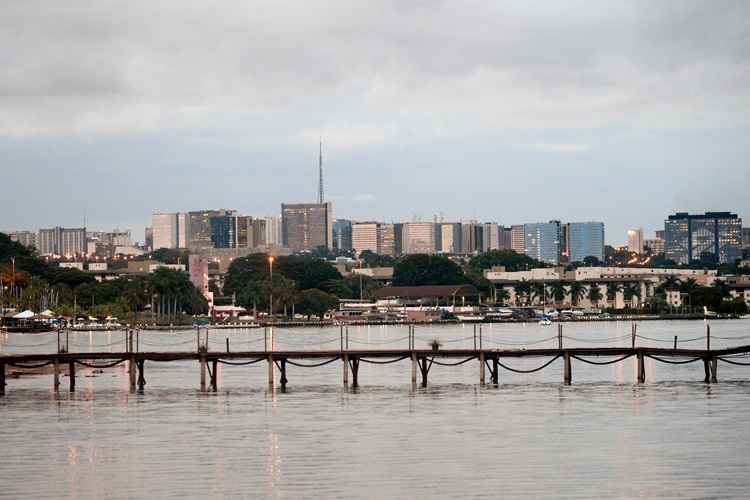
165	230
713	236
68	242
25	238
342	235
418	237
307	226
585	239
635	240
542	241
518	239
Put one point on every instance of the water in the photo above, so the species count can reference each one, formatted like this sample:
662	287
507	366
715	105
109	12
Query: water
531	437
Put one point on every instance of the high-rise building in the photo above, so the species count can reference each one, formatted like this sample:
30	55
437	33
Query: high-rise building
244	228
506	238
25	238
585	239
199	227
223	231
307	226
68	242
418	237
365	237
148	238
656	246
711	236
635	240
471	238
398	238
198	265
387	239
542	241
490	237
450	238
746	237
342	234
518	238
183	230
273	232
165	230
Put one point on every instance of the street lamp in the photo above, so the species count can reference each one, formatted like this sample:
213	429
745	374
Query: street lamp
270	286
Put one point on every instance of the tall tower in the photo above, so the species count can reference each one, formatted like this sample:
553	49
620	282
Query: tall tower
320	173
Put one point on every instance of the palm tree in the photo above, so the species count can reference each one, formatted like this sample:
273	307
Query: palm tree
558	291
538	290
502	295
577	292
631	290
523	290
595	294
722	287
612	289
670	283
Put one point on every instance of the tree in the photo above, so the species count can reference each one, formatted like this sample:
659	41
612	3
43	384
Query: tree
371	259
592	261
577	292
422	269
538	292
631	290
595	294
502	295
315	302
523	290
612	289
307	271
558	291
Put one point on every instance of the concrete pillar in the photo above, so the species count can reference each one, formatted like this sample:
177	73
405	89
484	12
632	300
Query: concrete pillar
568	372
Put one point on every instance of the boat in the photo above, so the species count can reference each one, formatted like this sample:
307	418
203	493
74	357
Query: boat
709	314
545	321
470	317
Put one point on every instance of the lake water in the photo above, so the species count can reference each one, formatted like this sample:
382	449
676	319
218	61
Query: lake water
530	437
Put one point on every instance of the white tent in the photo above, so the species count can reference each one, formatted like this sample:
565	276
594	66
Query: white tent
48	313
27	314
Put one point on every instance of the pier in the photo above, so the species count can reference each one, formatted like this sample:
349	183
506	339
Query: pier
489	361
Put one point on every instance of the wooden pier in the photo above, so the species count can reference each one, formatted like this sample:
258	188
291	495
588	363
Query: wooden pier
488	362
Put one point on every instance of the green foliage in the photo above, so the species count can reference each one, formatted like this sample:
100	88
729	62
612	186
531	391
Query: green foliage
421	269
512	261
371	259
307	271
594	294
314	302
577	292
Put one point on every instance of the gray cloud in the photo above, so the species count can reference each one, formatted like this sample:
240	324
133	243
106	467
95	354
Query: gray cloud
434	93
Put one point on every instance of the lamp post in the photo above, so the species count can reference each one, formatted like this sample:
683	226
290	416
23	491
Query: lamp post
270	285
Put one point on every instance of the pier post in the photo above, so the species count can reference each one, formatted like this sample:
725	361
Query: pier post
641	369
632	335
345	359
56	376
714	369
198	338
270	371
413	370
72	375
495	370
131	372
283	380
708	336
355	371
707	371
568	372
559	337
675	341
203	374
481	367
2	379
423	370
215	375
141	375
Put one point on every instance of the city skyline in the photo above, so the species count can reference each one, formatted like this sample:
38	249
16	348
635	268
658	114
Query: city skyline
529	115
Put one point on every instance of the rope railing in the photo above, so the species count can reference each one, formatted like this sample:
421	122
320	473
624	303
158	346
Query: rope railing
30	366
672	362
314	365
442	363
388	362
594	341
303	344
601	363
383	342
724	359
103	365
239	363
545	365
506	342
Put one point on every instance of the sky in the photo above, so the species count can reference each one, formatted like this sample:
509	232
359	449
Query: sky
510	112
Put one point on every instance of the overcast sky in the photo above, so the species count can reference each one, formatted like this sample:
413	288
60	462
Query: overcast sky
501	111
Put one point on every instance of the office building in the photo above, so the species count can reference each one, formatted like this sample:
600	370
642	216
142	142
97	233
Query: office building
342	235
307	226
365	237
183	230
450	237
635	240
67	242
418	237
199	227
244	229
223	231
585	239
506	238
25	238
713	236
542	241
165	230
745	237
490	237
272	231
656	246
518	239
387	239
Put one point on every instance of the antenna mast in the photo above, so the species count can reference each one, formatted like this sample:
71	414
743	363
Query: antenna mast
320	173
